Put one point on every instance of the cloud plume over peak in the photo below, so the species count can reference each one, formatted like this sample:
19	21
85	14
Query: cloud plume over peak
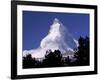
58	38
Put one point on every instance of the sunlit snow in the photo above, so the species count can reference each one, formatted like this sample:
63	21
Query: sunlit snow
57	38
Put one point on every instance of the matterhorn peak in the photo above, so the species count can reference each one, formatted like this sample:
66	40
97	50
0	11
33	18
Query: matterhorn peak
58	39
56	24
56	20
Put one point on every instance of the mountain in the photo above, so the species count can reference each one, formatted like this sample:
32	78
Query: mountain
58	38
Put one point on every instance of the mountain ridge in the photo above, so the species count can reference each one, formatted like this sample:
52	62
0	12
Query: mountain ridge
58	38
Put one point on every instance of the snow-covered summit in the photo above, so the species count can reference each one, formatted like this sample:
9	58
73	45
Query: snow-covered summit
58	38
56	20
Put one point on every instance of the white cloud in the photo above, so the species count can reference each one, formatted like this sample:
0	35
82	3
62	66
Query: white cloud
58	38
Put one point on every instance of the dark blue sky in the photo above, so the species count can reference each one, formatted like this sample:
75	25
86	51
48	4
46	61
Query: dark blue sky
37	24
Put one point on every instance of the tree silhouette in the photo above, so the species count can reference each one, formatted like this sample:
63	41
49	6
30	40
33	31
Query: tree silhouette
67	61
53	59
29	62
82	55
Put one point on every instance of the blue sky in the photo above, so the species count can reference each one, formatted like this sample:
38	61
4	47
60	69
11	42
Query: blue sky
37	24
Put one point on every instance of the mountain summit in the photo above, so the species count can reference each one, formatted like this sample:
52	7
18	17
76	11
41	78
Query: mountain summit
58	38
56	20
